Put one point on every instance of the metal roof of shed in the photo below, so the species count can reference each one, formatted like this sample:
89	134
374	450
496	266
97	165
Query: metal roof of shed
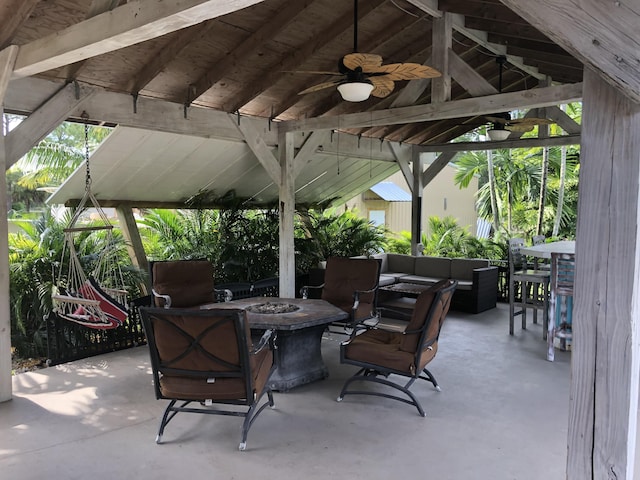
390	192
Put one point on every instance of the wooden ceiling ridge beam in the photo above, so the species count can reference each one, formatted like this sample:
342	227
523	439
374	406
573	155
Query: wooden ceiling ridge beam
292	60
269	29
129	24
536	97
602	47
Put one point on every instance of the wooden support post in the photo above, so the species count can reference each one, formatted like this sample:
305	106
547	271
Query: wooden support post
287	263
7	60
135	248
416	203
606	351
442	40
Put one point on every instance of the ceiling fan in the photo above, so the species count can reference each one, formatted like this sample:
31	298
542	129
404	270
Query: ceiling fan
502	123
363	74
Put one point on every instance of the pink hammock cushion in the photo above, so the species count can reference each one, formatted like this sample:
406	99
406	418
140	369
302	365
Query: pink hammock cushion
115	312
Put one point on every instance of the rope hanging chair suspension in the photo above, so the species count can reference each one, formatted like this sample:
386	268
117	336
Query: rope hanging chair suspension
96	299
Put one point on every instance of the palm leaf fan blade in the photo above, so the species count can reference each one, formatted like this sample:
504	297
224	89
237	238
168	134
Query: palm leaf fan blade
366	61
382	86
406	71
320	86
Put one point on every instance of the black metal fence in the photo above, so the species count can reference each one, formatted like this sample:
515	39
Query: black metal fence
68	341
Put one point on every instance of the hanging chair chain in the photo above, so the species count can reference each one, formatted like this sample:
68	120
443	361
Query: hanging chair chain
87	184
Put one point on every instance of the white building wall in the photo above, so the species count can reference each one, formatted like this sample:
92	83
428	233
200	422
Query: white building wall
440	198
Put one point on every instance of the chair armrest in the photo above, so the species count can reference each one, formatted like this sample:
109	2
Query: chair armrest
268	337
357	293
304	291
166	298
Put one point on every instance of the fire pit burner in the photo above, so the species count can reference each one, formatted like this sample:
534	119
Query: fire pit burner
270	308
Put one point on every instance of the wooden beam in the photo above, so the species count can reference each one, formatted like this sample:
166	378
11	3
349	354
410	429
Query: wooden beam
503	144
468	78
286	210
538	97
603	35
436	167
23	96
264	154
567	123
442	37
44	120
403	163
606	349
7	59
134	244
132	23
308	150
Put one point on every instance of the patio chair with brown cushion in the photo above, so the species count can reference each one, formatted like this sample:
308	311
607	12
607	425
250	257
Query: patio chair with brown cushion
203	361
350	284
381	353
185	283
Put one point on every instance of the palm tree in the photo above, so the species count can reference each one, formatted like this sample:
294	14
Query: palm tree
56	157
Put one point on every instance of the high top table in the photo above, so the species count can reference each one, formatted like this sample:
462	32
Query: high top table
299	336
544	250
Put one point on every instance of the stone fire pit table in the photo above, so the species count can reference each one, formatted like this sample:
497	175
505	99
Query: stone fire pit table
299	357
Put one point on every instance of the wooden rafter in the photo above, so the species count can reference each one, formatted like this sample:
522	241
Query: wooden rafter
132	23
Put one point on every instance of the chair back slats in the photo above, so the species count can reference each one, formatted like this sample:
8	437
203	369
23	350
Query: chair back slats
563	269
517	261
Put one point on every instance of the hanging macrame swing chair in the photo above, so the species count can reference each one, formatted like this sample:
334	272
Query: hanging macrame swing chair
96	299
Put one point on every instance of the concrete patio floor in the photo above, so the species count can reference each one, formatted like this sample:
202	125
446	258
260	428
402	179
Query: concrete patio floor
501	415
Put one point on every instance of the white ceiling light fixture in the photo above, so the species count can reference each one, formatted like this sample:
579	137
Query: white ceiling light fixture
498	135
355	91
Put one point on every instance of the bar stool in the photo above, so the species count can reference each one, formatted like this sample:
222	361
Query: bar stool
560	302
529	282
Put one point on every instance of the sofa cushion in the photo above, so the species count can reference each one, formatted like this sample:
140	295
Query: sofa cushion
462	268
419	279
384	262
400	263
436	267
386	280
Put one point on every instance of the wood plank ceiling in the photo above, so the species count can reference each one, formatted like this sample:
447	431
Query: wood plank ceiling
242	62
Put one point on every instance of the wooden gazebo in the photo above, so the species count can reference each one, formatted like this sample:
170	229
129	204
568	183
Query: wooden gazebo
222	69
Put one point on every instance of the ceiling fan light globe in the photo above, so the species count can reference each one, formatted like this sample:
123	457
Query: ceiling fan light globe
498	134
355	91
